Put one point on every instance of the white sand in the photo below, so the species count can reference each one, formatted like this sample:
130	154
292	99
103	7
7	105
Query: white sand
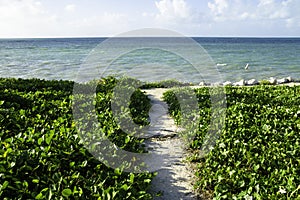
174	178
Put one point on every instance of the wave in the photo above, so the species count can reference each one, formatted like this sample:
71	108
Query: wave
221	64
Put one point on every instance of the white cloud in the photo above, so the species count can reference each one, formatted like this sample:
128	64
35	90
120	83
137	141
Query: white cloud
292	7
269	9
232	10
17	9
263	11
172	10
70	7
178	15
293	22
218	7
30	18
19	18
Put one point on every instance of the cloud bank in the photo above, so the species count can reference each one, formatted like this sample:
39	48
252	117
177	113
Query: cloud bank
33	18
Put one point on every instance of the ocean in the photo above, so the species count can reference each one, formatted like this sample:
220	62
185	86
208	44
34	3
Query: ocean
67	58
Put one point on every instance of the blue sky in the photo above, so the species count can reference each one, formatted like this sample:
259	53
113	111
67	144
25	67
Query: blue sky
74	18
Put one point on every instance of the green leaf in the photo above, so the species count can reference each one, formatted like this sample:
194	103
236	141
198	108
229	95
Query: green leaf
4	185
44	190
125	187
147	180
40	140
35	180
131	180
39	196
127	139
48	140
72	164
67	192
256	167
25	184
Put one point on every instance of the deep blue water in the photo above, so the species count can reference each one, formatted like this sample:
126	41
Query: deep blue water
63	58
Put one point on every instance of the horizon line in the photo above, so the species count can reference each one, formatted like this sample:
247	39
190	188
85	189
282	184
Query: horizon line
189	36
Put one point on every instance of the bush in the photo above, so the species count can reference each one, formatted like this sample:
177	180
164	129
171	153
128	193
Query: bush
42	156
257	154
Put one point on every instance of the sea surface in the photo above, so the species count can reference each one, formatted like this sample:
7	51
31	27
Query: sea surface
224	60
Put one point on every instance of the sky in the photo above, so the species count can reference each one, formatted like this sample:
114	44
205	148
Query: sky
105	18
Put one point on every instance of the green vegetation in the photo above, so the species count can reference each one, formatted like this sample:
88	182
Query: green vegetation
41	155
258	154
164	84
265	82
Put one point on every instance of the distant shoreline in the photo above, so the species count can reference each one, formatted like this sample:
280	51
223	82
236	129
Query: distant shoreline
106	37
174	83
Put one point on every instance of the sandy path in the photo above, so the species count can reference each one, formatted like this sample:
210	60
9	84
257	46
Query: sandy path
173	181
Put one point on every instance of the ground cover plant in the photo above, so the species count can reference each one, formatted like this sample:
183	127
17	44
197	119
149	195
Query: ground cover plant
41	155
257	155
165	84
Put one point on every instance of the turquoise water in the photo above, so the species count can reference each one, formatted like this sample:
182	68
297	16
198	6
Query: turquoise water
267	57
63	58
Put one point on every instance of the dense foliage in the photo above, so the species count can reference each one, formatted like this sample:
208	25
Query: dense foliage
41	155
164	84
257	155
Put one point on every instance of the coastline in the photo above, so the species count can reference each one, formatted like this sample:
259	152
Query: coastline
271	81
